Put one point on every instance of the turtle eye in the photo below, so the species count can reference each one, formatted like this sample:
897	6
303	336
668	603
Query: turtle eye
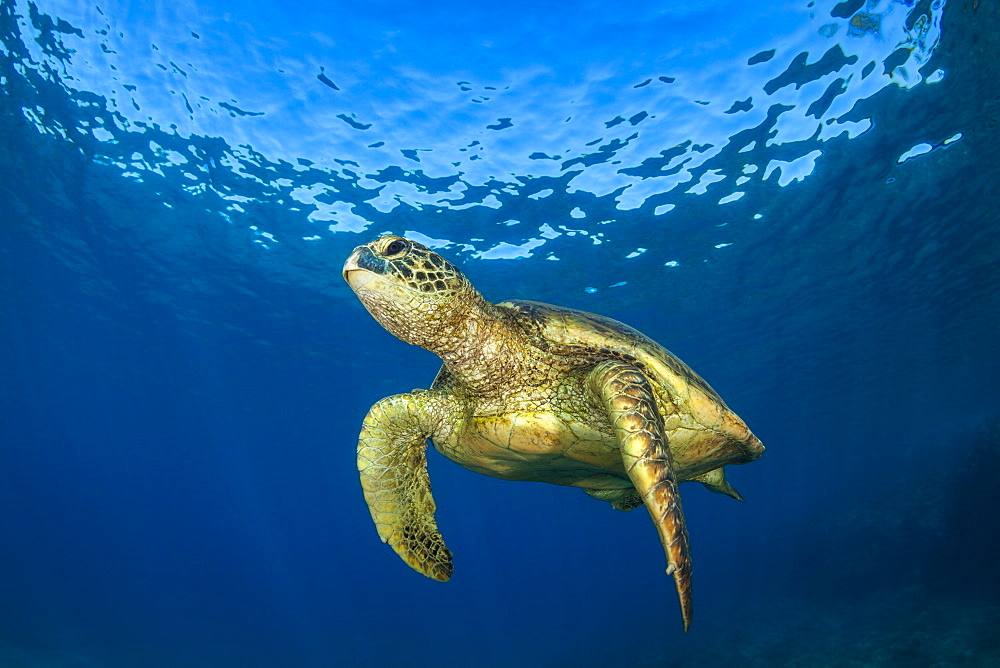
395	247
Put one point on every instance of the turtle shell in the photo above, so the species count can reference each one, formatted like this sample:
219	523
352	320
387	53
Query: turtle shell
689	405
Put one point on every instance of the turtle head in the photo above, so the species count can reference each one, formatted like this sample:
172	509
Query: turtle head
417	295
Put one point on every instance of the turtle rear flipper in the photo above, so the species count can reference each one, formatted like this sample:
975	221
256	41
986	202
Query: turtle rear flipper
715	480
626	395
393	466
620	499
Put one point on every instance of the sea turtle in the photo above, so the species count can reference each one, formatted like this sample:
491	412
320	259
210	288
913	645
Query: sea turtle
530	391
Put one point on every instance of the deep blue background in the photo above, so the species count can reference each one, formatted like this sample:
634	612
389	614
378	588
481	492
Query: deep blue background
179	405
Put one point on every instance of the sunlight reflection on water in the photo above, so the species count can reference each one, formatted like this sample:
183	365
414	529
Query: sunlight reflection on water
338	106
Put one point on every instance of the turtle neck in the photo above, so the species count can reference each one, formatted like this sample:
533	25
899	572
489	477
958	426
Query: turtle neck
483	351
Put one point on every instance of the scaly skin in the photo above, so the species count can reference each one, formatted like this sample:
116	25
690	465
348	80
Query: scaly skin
631	407
529	391
393	466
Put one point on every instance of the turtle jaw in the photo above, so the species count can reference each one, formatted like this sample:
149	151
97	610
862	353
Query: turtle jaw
358	279
355	276
362	261
366	274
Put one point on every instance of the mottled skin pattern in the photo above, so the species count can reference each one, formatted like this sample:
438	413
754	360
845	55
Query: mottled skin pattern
530	391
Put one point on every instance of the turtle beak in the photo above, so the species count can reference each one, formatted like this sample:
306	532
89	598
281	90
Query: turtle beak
361	268
351	267
358	279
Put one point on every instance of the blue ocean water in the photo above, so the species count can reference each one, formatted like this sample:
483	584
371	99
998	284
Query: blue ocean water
799	200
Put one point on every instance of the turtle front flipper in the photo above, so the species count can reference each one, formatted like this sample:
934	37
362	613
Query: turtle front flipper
393	466
625	393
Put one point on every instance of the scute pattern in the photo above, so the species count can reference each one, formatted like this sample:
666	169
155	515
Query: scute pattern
423	269
565	331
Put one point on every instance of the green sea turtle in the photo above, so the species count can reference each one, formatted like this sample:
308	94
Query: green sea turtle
530	391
